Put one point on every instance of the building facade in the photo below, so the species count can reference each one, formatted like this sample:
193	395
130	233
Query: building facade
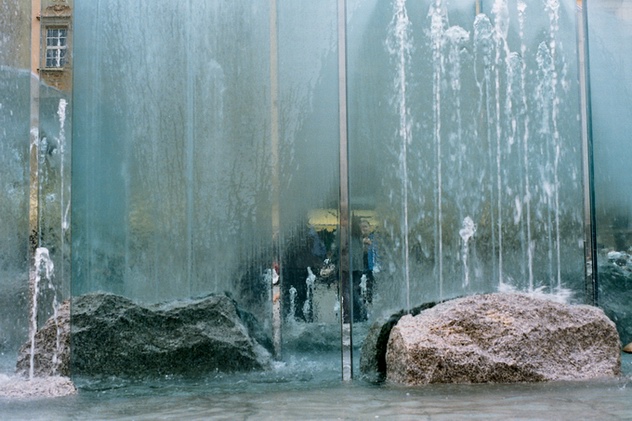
51	38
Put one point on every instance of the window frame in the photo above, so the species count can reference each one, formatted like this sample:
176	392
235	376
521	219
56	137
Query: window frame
60	58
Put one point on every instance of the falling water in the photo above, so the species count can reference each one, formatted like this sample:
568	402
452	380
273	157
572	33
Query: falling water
399	47
457	40
363	287
308	305
438	24
546	99
290	317
466	233
522	7
448	119
484	46
189	147
501	27
553	7
42	265
63	200
480	148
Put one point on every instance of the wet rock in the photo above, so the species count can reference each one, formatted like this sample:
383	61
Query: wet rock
628	348
111	335
52	347
615	291
373	351
503	338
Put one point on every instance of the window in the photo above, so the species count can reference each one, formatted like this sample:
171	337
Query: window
56	47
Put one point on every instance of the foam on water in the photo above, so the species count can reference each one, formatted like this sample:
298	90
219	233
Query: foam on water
15	387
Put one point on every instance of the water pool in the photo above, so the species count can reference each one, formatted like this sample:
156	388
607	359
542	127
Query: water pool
308	389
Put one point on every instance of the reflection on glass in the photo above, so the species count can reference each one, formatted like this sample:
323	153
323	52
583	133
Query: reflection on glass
200	177
609	37
15	92
464	146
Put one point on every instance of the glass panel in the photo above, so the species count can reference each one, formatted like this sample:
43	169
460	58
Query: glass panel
165	205
52	195
35	174
309	181
465	154
50	58
15	93
208	174
610	58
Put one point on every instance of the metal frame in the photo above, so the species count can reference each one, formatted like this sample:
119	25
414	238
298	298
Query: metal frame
345	285
590	233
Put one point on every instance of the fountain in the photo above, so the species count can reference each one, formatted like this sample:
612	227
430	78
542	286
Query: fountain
472	137
205	159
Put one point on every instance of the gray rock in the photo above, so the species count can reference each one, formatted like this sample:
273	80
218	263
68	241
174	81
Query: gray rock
503	338
615	292
52	347
111	335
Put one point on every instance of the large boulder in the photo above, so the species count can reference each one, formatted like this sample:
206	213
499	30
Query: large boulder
503	338
112	335
374	346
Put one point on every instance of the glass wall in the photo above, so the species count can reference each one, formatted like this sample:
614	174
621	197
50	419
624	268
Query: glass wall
35	126
206	157
610	54
465	152
15	93
207	151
